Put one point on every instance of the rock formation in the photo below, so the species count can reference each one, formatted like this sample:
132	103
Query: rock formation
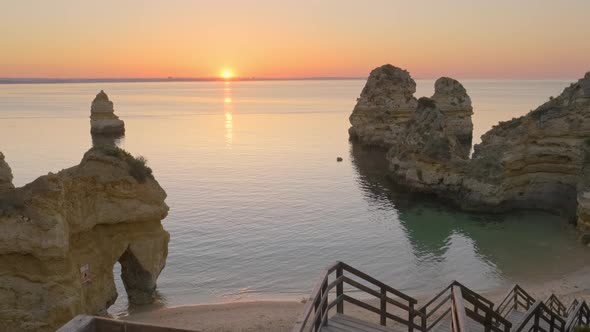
583	220
532	162
5	174
452	100
386	103
61	235
103	120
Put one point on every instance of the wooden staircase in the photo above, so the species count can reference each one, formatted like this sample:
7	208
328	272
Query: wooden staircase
455	309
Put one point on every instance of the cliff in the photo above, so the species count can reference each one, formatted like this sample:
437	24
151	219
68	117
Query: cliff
5	175
536	161
61	235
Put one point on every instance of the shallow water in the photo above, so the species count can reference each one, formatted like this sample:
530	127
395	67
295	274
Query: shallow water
259	204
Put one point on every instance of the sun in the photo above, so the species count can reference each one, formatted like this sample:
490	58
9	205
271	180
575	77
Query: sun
227	74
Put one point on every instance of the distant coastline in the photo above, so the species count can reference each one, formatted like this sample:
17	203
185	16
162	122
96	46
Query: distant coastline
161	79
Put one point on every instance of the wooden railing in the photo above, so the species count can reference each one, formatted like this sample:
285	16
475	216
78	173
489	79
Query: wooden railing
440	305
555	305
572	306
329	292
516	297
578	316
339	280
458	315
539	318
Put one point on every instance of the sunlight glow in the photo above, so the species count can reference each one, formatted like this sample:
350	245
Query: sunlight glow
227	74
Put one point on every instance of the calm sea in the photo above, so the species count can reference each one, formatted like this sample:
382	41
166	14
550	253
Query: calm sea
258	203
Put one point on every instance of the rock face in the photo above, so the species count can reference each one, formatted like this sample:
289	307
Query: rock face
532	162
583	220
61	235
5	174
385	105
454	102
103	120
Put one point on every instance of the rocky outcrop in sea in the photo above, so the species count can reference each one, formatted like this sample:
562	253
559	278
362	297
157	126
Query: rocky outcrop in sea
62	234
532	162
103	120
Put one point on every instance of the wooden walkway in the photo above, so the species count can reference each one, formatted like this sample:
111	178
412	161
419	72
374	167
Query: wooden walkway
455	309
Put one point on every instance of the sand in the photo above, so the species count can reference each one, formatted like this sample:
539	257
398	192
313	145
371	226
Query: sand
279	316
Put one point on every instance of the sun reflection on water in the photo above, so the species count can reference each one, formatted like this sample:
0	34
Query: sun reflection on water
228	112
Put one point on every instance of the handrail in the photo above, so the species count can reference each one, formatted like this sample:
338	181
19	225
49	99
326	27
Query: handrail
580	315
309	306
553	303
490	319
320	303
575	302
539	311
512	300
457	300
458	319
437	304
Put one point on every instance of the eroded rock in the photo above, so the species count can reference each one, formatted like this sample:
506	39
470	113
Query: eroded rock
452	100
583	217
103	120
61	235
5	174
386	103
532	162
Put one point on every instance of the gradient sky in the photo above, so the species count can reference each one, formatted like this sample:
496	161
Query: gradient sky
133	38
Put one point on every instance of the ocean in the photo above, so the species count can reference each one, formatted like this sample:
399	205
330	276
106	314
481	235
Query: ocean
258	203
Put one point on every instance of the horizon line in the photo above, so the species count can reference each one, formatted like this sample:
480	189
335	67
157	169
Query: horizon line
55	80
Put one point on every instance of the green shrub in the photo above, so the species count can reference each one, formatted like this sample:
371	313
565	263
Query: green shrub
138	168
582	328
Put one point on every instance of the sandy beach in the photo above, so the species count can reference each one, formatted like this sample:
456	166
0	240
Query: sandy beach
278	316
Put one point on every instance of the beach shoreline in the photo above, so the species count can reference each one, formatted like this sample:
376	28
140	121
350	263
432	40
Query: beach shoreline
276	316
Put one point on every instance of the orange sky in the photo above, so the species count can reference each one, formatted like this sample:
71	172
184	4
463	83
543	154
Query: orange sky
182	38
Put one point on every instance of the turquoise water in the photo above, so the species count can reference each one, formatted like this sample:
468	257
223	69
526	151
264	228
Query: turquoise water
259	204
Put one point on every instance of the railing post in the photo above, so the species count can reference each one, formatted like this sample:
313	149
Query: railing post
325	305
318	315
339	290
488	322
515	298
536	323
411	317
383	306
423	320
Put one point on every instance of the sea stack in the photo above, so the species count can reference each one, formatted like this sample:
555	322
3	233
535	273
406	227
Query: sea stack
103	120
385	105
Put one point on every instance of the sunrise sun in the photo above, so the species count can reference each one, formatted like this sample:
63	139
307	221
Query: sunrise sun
227	73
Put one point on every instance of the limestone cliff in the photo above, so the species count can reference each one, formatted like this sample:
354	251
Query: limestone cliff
61	235
583	220
452	100
386	103
103	120
5	174
534	161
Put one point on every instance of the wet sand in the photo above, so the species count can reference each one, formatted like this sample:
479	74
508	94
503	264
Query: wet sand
278	316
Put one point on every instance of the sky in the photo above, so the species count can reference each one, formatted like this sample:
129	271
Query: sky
520	39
